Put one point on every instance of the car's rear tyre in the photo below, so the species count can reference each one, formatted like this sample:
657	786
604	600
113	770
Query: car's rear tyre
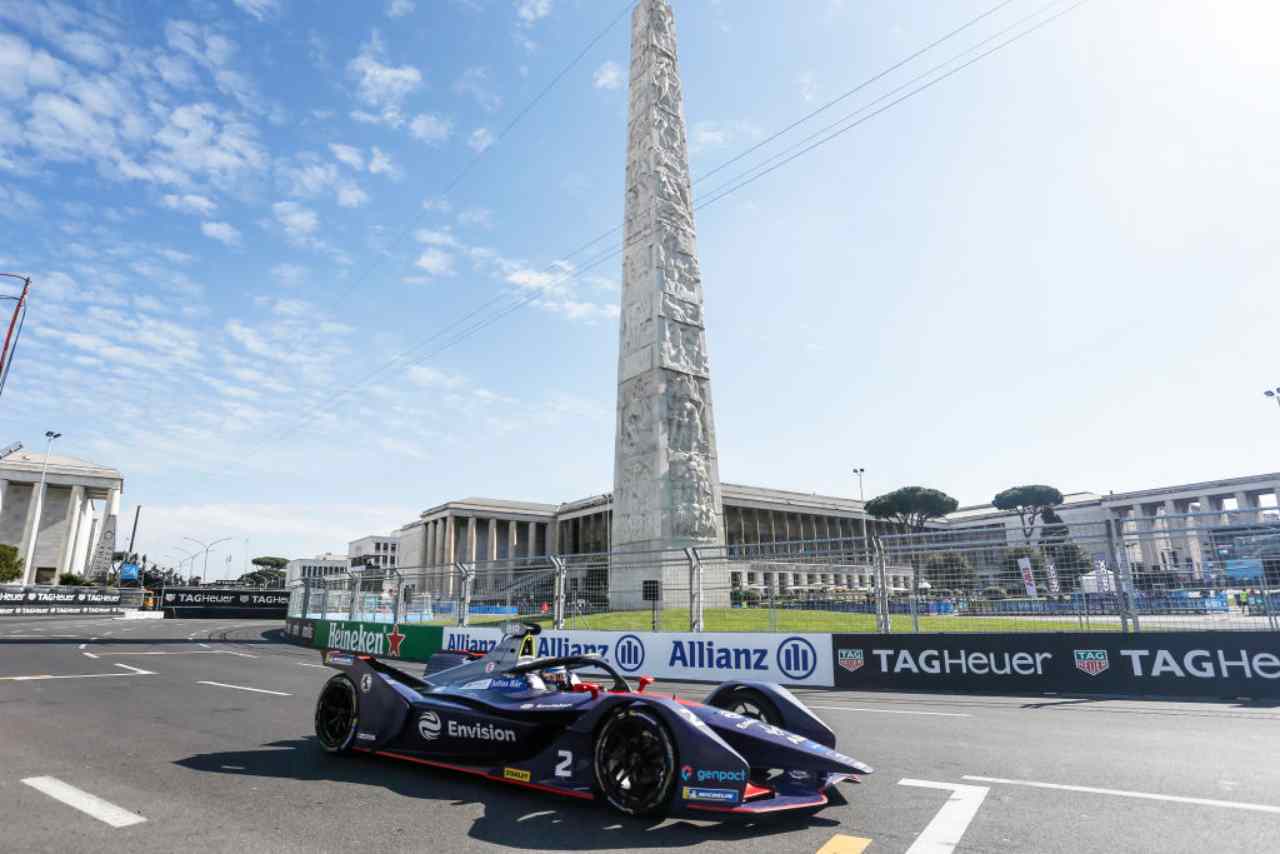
337	715
635	762
751	703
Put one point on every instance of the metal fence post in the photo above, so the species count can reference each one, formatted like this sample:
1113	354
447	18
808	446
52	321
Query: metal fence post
354	581
467	571
561	589
883	623
1124	575
915	610
695	589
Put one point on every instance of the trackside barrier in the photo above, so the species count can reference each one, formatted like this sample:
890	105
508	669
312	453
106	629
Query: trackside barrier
1157	664
223	602
20	601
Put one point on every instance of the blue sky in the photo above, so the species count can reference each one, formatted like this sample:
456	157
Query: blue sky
1057	266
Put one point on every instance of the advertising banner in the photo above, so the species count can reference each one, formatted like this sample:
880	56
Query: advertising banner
381	640
1028	577
801	659
1172	664
35	601
221	602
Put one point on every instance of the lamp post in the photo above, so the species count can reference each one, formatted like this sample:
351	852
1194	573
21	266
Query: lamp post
866	545
1275	394
29	562
190	556
206	547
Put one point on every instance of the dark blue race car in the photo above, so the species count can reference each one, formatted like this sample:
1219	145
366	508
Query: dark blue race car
535	722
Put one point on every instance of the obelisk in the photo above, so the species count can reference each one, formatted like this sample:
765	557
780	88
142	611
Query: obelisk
666	481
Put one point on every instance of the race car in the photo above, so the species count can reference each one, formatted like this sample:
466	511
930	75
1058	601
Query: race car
505	715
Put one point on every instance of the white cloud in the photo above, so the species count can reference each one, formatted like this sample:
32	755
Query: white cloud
175	257
381	86
429	127
289	275
436	203
307	176
400	8
530	11
348	154
248	338
380	163
608	76
808	85
351	196
481	139
429	377
299	222
475	82
435	262
259	9
189	203
221	231
436	238
476	216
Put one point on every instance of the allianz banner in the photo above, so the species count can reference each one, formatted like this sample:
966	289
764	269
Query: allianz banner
28	601
217	602
1171	664
694	656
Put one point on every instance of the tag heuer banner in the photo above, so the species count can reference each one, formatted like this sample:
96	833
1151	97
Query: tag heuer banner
218	602
1170	664
33	601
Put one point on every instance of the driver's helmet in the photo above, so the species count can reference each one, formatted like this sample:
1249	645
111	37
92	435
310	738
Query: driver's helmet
559	677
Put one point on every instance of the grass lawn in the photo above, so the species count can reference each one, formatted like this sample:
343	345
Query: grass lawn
757	620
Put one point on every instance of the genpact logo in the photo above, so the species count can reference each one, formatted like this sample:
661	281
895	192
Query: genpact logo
686	772
628	654
723	776
797	659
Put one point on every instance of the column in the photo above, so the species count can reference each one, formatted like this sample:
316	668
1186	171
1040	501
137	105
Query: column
493	539
84	531
1146	539
469	548
1244	505
72	529
429	556
28	531
1177	530
513	539
450	540
532	546
1207	506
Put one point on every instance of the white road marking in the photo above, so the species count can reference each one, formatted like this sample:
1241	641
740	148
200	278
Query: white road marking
244	688
92	805
186	652
45	676
1122	793
942	835
309	664
893	711
83	645
205	645
137	670
90	655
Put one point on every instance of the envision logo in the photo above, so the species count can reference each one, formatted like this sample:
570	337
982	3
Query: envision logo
629	653
429	726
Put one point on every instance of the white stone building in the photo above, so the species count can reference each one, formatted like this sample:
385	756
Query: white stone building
320	566
376	550
70	523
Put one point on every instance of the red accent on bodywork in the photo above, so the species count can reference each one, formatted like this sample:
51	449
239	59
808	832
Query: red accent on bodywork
645	682
753	791
476	772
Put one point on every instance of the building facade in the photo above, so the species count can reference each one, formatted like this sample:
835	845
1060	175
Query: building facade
374	550
70	525
321	566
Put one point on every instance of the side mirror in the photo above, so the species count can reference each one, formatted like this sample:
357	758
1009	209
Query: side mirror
645	682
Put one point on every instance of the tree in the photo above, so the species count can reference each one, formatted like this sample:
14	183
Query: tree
10	564
264	578
950	571
70	579
1030	501
269	562
912	506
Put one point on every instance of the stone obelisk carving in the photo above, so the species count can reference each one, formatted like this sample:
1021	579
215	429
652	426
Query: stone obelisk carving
666	481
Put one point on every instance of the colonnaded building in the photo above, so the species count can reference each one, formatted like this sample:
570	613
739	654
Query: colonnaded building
483	529
75	535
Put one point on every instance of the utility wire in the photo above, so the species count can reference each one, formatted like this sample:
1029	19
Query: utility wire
523	301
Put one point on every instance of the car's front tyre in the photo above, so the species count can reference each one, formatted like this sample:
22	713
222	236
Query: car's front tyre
750	703
635	762
337	714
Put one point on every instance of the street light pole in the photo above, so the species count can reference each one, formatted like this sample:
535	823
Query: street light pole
29	563
866	545
207	547
1275	394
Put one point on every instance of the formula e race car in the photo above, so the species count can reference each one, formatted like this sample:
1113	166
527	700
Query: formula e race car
536	722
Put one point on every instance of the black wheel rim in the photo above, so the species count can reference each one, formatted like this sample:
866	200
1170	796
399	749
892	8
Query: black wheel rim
334	714
635	763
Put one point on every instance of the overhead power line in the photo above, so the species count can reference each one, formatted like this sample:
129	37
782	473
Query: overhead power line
733	186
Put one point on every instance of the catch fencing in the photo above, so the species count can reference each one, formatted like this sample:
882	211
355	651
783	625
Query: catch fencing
1170	573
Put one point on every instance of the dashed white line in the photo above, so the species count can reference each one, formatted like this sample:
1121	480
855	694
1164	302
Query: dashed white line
309	664
942	835
137	670
244	688
42	677
893	711
91	805
1122	793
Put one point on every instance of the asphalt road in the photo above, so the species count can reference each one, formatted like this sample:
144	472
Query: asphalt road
170	763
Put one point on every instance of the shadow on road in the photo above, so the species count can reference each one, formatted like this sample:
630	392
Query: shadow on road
512	817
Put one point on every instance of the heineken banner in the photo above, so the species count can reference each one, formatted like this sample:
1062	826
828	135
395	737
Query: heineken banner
34	601
220	602
1170	664
382	640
